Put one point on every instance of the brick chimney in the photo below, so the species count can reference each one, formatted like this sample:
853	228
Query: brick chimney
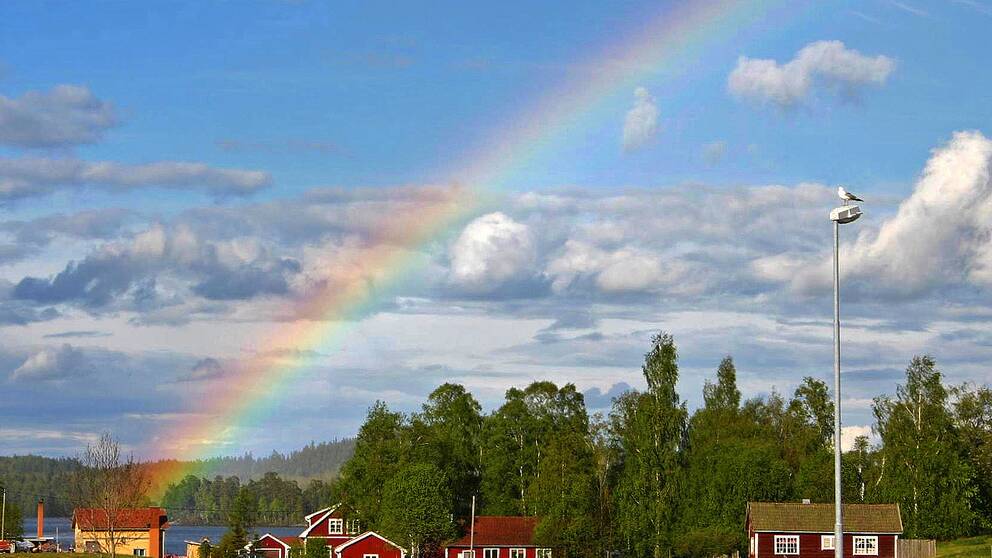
41	518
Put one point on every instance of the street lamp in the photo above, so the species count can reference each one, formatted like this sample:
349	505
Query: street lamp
840	216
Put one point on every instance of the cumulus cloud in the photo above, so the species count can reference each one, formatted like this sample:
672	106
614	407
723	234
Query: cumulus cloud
940	236
32	177
64	116
492	251
849	433
828	63
641	122
52	363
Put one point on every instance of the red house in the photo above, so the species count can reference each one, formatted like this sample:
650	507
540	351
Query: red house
788	530
271	546
498	536
369	545
331	526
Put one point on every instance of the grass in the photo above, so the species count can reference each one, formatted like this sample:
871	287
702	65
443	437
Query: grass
970	547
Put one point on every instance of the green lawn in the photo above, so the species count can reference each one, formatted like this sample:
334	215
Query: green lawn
971	547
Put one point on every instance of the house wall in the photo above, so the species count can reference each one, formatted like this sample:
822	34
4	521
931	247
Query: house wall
370	545
127	541
504	551
809	545
270	548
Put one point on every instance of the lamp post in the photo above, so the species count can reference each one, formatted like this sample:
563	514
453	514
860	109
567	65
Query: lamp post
840	215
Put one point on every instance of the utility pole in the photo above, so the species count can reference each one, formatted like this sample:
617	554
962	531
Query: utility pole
3	513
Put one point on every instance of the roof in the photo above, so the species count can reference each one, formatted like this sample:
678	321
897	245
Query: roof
819	518
500	530
366	535
93	519
284	541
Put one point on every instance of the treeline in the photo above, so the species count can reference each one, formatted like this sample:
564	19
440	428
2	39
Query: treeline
650	478
314	461
272	500
30	477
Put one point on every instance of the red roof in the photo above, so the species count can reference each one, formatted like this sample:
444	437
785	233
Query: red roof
92	519
500	530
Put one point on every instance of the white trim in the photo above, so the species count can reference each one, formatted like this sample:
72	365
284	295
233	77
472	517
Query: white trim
832	540
873	551
275	538
318	512
537	552
485	550
521	549
365	535
337	522
786	539
370	556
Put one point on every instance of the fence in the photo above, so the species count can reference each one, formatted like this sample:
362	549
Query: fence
916	548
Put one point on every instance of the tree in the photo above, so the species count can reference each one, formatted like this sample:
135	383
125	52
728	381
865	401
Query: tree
110	484
922	466
13	524
448	433
379	453
973	420
651	428
240	521
416	508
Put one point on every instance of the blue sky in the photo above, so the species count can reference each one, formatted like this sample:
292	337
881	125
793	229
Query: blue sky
165	169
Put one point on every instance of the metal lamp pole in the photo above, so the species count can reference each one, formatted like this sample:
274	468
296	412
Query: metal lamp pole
840	215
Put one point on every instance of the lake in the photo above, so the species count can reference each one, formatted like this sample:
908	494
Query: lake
174	536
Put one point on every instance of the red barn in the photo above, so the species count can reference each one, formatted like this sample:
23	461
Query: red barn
788	530
498	536
369	545
271	546
331	526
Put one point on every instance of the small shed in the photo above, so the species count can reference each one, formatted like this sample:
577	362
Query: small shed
369	545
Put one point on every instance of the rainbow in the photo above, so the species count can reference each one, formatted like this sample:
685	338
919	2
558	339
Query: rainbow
667	44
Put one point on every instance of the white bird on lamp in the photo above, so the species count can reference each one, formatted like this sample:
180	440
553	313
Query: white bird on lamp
847	196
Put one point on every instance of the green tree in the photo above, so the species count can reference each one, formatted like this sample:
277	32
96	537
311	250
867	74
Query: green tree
379	453
447	433
922	463
973	420
13	526
651	428
416	508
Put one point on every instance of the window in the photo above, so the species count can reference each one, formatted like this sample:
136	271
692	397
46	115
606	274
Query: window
468	554
370	556
826	542
354	527
786	544
518	553
335	526
139	551
490	553
866	546
543	553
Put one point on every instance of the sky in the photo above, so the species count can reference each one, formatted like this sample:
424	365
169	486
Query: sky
232	227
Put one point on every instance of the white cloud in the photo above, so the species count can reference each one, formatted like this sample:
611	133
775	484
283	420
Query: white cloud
52	363
31	177
849	433
67	115
641	122
628	269
941	235
827	62
491	251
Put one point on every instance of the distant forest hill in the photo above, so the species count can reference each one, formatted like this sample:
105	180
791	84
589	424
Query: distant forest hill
30	477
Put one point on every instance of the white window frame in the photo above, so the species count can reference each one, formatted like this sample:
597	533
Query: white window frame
518	553
335	526
490	553
370	556
353	526
869	545
468	554
786	541
543	553
828	542
138	552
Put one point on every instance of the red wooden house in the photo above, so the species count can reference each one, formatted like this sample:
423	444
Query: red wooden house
791	530
497	536
331	526
369	545
271	546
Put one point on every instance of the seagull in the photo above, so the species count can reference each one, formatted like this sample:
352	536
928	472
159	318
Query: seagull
847	196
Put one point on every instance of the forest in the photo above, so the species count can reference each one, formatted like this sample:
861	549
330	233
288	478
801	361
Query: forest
651	479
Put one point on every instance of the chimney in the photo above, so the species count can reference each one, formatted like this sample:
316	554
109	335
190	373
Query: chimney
805	500
41	518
